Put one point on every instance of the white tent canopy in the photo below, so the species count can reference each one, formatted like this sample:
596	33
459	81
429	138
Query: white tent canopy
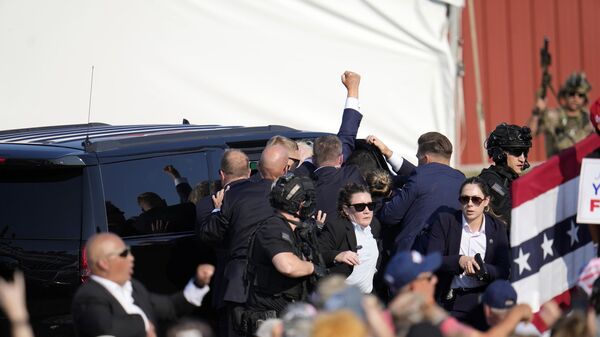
238	62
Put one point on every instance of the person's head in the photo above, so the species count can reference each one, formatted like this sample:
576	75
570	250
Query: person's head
298	319
271	327
190	328
509	145
498	298
380	183
150	200
595	115
328	151
575	324
294	195
355	204
305	149
273	162
339	323
234	166
474	198
109	257
291	146
433	147
574	91
409	271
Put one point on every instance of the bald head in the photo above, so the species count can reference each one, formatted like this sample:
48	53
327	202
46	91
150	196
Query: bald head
103	256
234	166
273	162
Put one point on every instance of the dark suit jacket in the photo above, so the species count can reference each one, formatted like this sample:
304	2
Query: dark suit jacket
430	188
338	236
96	312
245	205
328	182
445	236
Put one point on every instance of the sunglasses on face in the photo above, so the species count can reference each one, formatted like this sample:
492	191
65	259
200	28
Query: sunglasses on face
125	253
464	200
575	93
361	206
518	152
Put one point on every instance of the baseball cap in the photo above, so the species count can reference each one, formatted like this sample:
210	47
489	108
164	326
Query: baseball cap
406	266
595	114
500	294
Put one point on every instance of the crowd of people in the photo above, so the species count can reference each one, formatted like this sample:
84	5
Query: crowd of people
341	237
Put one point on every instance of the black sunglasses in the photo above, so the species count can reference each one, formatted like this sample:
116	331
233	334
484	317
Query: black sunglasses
573	93
361	206
125	253
518	152
464	199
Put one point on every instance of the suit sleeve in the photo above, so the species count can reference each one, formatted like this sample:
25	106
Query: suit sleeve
183	190
170	307
328	244
500	268
348	130
438	242
93	316
211	229
394	210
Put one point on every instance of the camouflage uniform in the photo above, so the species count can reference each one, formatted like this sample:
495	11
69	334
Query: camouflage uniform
562	131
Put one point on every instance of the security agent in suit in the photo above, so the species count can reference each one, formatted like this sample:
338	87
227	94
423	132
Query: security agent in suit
507	146
351	243
243	207
112	303
278	269
430	189
459	236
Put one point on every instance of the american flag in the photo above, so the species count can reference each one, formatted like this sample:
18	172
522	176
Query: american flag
549	248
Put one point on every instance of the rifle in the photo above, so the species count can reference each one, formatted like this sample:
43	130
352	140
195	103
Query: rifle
545	62
307	232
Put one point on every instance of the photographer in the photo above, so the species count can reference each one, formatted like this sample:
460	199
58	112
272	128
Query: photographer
460	237
281	250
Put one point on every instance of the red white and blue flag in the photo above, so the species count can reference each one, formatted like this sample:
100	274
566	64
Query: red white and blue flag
549	248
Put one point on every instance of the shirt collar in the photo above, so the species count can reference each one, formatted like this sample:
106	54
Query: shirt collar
466	227
113	286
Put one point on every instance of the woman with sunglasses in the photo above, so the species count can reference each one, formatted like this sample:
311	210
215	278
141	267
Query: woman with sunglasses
350	244
459	236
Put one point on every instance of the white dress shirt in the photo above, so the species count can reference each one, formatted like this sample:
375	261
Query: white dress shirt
123	294
363	273
471	243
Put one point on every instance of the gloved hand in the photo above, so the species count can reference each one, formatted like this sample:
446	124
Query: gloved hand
320	271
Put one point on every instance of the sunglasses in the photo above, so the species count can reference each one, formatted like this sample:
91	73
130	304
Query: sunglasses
125	253
464	200
573	93
361	206
518	152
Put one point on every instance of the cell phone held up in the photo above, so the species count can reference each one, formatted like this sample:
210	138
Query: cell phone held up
482	274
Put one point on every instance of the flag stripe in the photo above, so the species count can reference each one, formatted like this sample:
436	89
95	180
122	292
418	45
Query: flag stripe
555	171
553	278
545	211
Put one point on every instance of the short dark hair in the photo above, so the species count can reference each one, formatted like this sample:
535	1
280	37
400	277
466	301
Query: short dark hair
346	194
326	148
434	143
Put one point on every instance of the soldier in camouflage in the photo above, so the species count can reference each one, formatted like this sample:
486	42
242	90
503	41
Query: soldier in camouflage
568	124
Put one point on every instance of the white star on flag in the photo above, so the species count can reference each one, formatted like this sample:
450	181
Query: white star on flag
547	247
522	261
573	233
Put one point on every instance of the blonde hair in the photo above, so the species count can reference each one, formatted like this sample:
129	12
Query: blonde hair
339	323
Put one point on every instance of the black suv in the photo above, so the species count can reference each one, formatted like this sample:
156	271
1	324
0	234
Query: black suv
60	185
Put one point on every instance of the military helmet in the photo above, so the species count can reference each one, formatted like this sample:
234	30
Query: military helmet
295	195
507	138
576	83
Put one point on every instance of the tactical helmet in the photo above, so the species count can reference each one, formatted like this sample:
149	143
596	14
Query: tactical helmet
576	82
295	195
506	138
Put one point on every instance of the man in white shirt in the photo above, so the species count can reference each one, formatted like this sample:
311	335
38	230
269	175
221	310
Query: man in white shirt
113	303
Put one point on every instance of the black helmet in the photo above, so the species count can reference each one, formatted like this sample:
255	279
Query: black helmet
294	195
507	138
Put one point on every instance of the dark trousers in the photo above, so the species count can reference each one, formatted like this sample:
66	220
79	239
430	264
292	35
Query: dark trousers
226	326
465	306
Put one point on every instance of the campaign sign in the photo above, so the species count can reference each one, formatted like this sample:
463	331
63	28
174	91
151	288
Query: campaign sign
588	206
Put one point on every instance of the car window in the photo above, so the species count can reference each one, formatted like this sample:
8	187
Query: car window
41	203
152	195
